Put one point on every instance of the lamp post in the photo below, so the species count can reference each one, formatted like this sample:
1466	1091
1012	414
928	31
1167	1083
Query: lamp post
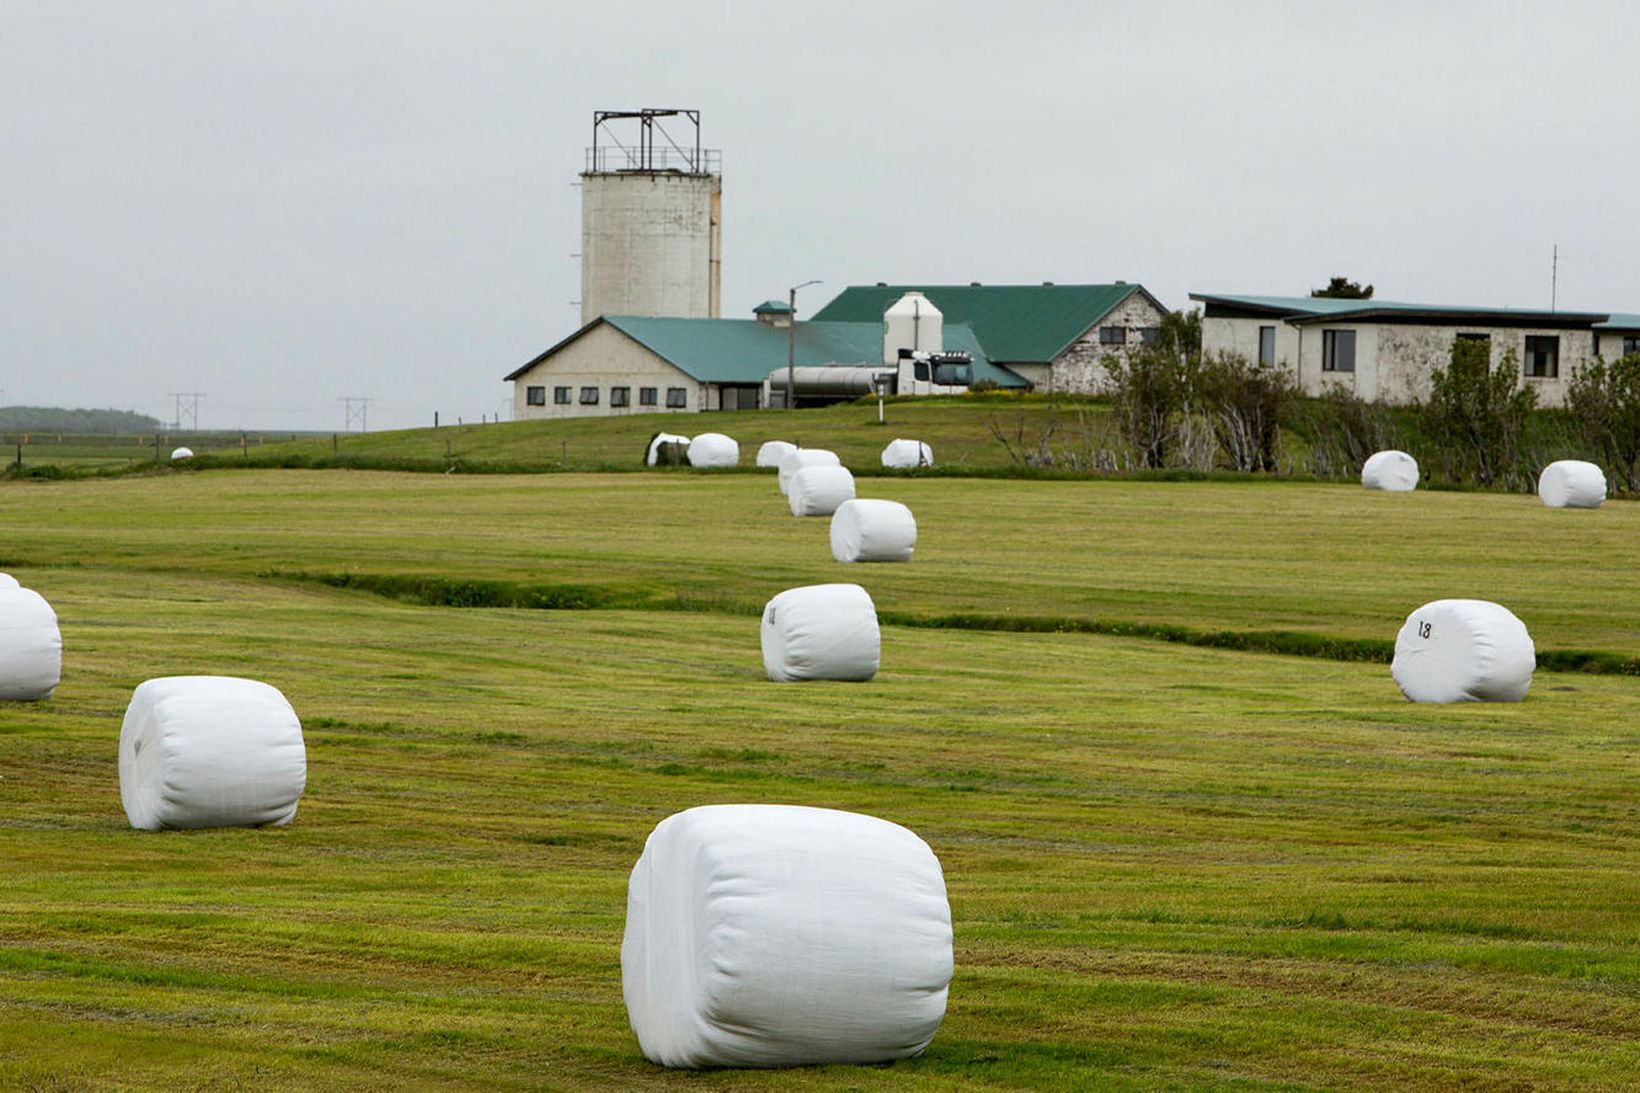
791	345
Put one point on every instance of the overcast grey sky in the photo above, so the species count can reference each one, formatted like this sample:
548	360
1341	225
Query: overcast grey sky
279	204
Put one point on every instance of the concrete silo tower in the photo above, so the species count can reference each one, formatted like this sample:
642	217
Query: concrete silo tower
651	217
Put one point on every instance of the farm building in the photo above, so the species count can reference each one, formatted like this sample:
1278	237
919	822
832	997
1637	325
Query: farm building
1051	336
624	364
1386	350
1618	336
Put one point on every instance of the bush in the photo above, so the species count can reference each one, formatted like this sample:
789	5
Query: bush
1150	387
1479	412
1344	430
1247	406
1603	403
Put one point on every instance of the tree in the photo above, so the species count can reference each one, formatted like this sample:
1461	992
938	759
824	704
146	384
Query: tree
1149	386
1181	331
1247	406
1478	410
1342	288
1604	402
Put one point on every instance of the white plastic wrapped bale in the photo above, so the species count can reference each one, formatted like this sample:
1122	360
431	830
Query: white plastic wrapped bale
796	460
780	935
1463	651
182	453
1572	484
714	450
817	491
31	646
657	440
771	452
1394	471
210	751
821	631
905	454
869	530
8	581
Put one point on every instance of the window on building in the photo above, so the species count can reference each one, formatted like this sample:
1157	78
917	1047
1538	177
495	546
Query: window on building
535	396
1113	335
1631	345
1266	345
1338	350
677	398
739	397
560	396
1543	355
1150	335
620	396
646	396
589	396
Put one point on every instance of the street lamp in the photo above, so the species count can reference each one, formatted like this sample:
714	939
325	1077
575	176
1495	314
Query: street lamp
791	346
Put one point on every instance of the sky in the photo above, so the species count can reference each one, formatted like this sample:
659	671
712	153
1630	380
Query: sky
279	205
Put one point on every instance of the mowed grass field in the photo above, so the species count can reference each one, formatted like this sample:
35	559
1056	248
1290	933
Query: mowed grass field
1168	866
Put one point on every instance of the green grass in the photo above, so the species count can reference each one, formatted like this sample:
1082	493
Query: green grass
1332	561
1168	866
45	452
959	429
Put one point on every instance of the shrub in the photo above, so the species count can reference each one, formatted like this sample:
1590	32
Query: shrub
1478	412
1246	406
1603	404
1344	430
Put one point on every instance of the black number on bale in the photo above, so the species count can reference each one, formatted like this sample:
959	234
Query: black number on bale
1423	629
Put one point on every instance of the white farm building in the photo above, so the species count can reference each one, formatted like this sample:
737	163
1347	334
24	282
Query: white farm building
1385	350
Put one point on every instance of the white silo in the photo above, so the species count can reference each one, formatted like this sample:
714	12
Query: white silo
651	217
912	322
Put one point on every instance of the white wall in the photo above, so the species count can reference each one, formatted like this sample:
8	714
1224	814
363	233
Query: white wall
1393	362
1078	369
651	244
604	358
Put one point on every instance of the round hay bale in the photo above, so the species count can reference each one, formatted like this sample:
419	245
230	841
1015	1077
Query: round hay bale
821	631
1572	484
782	935
651	455
817	491
31	646
210	751
872	530
1463	651
771	452
906	454
8	581
182	453
794	461
1396	472
714	450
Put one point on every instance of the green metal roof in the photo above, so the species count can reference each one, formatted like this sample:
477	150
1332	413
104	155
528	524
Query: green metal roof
1620	321
772	307
1025	324
1301	309
746	351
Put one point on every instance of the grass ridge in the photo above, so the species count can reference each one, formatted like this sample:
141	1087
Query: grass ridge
463	592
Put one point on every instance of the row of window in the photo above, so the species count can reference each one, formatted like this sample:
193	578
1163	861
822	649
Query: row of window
1118	335
677	398
1338	350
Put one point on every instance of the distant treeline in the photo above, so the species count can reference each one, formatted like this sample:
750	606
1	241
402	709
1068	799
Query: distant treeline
55	419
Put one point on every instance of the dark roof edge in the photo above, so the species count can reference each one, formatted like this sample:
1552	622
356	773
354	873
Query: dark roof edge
544	354
1126	296
1458	317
